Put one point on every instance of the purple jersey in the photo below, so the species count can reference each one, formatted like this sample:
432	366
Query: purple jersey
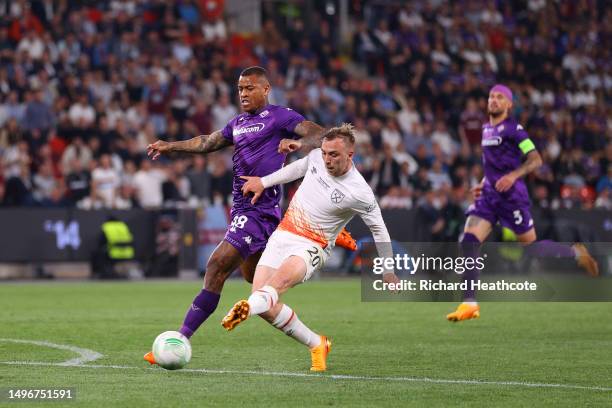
501	154
255	138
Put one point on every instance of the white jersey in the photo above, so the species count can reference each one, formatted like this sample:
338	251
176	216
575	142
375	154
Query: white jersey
324	204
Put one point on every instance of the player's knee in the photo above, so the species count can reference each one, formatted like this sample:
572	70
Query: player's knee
282	283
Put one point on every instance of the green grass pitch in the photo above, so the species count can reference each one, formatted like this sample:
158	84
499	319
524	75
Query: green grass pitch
384	354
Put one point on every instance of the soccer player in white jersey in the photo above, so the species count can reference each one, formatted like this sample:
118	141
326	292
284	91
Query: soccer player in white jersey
332	192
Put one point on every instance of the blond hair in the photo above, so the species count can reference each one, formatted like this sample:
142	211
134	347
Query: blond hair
345	132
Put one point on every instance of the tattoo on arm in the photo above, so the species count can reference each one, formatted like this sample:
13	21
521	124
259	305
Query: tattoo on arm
202	144
534	160
310	133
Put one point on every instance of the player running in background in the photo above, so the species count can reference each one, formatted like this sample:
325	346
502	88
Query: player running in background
256	135
332	192
502	196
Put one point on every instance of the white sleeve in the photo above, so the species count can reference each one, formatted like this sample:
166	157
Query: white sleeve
369	211
291	172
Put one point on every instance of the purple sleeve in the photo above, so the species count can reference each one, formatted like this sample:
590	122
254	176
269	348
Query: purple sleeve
289	120
519	134
228	131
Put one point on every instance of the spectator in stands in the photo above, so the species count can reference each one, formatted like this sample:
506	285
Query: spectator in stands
148	184
106	180
77	181
200	179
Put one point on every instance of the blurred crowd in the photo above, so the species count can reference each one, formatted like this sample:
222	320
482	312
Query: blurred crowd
85	86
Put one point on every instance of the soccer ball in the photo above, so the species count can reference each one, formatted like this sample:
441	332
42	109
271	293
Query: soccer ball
172	350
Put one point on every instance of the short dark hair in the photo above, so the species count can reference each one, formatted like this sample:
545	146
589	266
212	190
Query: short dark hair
254	70
344	132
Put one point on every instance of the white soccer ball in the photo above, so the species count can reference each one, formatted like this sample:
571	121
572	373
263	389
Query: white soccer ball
172	350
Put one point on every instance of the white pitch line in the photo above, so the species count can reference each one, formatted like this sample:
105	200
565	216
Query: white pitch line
85	355
336	376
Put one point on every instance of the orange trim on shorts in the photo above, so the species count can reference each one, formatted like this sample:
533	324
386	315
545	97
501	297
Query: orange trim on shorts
296	221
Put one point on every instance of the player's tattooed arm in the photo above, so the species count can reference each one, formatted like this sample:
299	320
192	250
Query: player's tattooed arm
310	134
199	144
533	161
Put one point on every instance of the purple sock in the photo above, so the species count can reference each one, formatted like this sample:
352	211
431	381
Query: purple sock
203	306
470	246
549	249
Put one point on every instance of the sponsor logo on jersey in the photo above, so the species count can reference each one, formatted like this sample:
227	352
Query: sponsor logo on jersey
255	127
337	196
264	113
491	141
500	128
322	182
313	170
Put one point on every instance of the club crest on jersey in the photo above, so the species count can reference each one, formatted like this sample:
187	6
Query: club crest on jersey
337	196
255	127
491	141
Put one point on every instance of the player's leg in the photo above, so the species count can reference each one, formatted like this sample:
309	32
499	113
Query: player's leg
294	270
282	316
249	265
551	249
278	270
223	261
476	231
291	271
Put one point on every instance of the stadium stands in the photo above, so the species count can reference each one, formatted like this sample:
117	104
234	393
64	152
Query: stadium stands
84	87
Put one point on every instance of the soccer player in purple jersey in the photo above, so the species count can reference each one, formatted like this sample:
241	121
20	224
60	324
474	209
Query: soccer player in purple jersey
507	155
261	136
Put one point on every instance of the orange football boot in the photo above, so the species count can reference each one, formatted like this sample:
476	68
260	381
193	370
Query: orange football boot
237	314
318	355
585	260
345	240
464	312
149	357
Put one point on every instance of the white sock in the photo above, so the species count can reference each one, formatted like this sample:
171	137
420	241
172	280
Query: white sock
288	322
262	300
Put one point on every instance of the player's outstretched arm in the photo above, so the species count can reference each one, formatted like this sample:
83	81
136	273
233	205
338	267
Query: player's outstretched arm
310	134
199	144
533	161
372	217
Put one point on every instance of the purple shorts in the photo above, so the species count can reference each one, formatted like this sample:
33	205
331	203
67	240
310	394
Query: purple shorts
250	229
512	214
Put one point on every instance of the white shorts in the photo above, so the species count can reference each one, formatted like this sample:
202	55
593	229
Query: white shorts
282	244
